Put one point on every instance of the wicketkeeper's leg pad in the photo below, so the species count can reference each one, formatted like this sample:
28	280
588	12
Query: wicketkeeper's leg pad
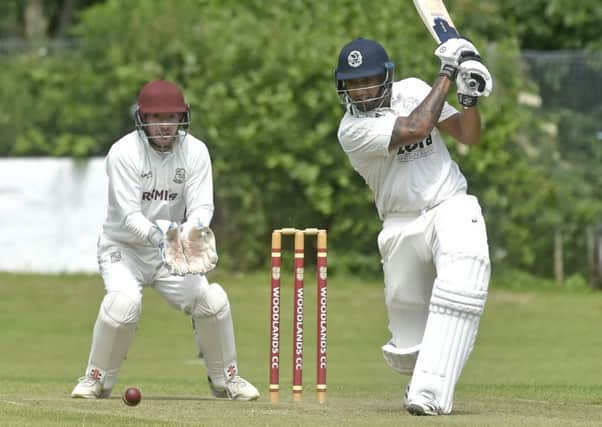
214	333
113	334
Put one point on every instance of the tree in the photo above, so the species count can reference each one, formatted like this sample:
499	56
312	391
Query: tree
39	19
260	83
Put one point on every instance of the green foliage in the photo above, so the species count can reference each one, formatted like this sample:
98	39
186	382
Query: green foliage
259	79
9	12
554	24
263	98
536	24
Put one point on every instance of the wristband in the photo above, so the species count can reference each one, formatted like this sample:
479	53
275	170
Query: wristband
155	236
467	100
449	71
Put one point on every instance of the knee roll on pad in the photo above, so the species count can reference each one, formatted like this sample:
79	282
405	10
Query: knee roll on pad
119	309
214	302
401	360
462	283
447	298
469	271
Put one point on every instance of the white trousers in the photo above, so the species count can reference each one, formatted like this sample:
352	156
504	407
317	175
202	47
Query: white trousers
129	270
436	270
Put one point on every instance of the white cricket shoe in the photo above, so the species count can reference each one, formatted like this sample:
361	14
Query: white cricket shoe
87	388
423	405
236	389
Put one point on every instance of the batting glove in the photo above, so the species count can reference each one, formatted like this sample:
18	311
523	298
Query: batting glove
450	53
473	81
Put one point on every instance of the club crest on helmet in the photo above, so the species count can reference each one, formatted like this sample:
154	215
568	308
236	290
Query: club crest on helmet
355	58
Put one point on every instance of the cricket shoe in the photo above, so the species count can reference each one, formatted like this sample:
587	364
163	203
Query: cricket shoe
89	388
236	389
424	405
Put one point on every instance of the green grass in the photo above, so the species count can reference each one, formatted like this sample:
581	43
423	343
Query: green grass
536	362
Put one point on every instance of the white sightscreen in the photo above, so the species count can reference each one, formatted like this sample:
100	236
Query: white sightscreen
51	213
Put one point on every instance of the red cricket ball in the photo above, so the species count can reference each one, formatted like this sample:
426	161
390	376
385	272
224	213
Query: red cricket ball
132	396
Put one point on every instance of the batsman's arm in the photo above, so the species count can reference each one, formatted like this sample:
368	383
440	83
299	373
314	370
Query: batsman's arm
419	124
464	127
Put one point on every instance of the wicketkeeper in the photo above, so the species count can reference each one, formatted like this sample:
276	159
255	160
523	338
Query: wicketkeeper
433	242
156	234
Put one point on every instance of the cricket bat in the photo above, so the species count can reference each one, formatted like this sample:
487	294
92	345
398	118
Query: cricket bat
436	18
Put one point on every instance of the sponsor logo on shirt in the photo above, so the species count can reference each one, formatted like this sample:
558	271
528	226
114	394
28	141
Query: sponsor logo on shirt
158	195
419	150
148	174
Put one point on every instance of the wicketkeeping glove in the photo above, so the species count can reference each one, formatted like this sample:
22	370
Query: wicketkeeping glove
172	253
473	81
167	240
198	243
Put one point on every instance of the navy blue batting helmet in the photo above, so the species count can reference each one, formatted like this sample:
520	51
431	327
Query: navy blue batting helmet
362	58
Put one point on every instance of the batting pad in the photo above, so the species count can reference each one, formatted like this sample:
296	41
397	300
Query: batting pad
214	333
113	334
454	314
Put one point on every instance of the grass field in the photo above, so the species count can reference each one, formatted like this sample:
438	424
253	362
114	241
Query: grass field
537	361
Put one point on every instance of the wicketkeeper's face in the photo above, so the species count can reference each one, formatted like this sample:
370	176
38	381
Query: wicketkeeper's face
162	128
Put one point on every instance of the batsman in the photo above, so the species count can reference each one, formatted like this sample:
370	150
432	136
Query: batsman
156	234
433	241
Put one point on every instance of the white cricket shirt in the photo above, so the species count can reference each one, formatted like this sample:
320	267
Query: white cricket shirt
415	177
146	185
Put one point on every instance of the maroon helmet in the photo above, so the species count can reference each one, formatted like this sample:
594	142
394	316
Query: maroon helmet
161	97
